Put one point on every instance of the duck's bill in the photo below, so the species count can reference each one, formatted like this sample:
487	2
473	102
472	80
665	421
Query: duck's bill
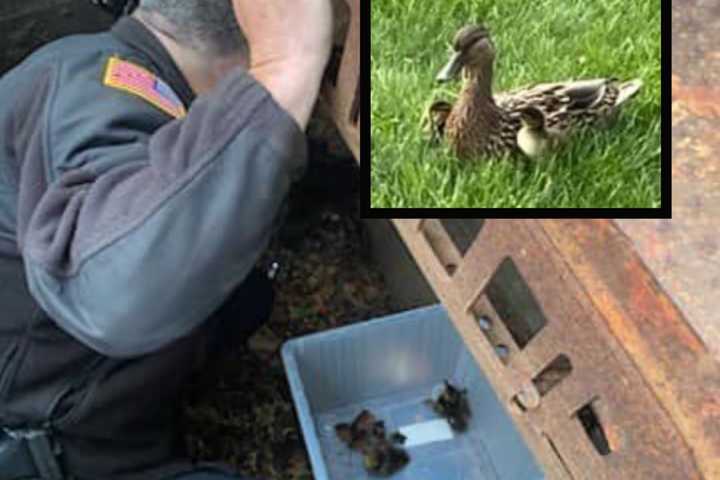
451	70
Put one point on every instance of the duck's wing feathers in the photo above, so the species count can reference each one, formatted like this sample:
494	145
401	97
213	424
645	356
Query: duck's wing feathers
628	90
582	94
587	93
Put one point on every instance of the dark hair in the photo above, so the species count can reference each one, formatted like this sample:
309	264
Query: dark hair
201	24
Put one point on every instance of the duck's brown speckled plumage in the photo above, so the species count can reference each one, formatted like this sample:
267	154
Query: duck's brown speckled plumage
477	126
482	124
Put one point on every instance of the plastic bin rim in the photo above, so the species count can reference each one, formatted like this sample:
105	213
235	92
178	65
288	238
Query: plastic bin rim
297	389
362	325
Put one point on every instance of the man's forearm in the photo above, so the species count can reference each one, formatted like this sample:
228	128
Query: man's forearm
290	44
294	84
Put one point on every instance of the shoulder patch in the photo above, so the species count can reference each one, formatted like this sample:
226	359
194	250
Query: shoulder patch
134	79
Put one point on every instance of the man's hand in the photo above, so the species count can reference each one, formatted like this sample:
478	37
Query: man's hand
290	42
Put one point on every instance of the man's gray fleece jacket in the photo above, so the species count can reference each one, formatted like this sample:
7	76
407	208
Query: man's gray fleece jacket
121	230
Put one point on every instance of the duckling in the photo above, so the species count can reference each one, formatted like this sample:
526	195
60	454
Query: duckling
367	434
382	458
452	404
481	123
358	433
535	137
434	120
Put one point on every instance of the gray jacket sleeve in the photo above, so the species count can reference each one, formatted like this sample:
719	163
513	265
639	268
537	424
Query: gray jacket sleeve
141	227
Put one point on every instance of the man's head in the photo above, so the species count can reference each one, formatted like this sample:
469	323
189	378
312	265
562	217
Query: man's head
207	26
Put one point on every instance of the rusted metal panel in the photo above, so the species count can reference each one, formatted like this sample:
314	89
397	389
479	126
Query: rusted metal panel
672	358
684	257
345	97
580	391
434	270
684	254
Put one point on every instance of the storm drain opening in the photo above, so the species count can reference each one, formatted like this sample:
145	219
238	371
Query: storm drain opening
593	428
518	404
512	299
355	108
462	231
441	244
554	373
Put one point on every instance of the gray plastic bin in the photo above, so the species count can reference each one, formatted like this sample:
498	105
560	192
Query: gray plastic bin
390	366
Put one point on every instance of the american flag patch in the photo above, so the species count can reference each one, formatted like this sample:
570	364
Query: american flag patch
138	81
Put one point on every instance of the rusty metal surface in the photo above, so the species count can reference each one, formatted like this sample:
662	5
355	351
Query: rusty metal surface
342	97
647	439
673	359
684	256
684	253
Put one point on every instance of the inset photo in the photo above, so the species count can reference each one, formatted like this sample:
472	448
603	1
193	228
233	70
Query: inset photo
484	104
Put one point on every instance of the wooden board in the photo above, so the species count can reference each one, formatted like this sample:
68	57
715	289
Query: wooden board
341	98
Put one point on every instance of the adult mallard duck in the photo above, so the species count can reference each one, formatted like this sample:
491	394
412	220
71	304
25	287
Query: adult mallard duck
530	119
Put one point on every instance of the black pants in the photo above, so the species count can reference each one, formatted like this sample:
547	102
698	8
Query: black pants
246	310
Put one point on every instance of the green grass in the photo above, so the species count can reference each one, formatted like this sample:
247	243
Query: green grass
537	41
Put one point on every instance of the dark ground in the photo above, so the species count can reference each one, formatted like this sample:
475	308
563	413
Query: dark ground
326	280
